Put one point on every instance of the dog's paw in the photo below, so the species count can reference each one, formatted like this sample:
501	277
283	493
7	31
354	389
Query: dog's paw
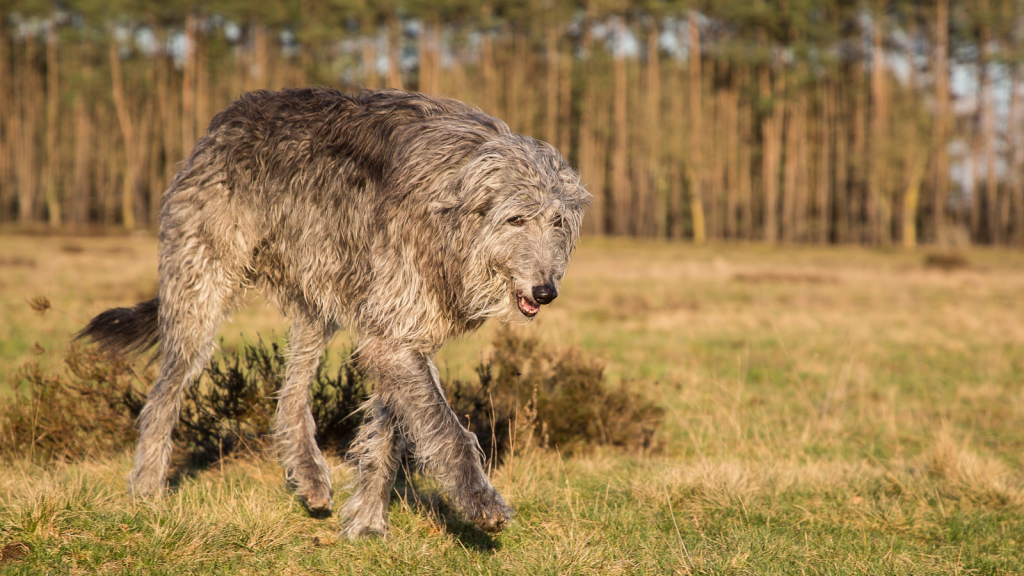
489	511
145	484
318	500
355	528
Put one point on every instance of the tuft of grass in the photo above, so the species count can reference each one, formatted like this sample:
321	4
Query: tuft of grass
946	261
39	304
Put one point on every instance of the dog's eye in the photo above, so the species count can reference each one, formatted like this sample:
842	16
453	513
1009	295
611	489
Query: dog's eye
557	222
516	221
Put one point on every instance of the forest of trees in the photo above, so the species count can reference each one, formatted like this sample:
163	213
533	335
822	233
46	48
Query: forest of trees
825	121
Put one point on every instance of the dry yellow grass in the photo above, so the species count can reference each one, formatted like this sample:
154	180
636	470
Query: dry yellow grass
829	410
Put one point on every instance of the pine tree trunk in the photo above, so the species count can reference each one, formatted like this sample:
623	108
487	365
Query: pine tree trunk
939	128
988	129
733	143
512	81
789	175
714	154
878	205
128	135
802	189
369	46
841	196
6	139
620	177
638	156
27	123
168	114
696	135
261	58
551	90
656	219
978	149
678	155
53	207
1015	137
188	86
204	103
746	199
858	170
771	135
915	161
79	203
429	54
394	54
824	188
565	105
591	168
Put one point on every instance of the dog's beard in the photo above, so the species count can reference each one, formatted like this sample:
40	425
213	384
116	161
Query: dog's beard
489	297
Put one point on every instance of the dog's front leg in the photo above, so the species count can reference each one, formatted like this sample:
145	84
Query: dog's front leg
409	387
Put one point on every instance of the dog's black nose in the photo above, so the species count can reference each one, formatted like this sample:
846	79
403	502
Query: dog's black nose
544	293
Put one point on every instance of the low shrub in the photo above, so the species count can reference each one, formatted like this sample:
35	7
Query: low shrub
526	393
946	261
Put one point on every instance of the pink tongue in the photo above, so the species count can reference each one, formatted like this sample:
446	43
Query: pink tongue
526	307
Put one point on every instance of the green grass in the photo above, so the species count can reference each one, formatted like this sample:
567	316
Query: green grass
829	411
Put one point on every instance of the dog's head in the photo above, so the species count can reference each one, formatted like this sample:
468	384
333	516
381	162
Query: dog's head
522	207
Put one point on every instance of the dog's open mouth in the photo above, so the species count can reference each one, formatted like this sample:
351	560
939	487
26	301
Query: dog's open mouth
527	306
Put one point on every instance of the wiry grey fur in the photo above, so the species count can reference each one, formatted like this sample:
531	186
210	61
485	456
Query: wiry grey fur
407	218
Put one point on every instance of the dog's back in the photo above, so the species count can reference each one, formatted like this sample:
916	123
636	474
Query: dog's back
296	186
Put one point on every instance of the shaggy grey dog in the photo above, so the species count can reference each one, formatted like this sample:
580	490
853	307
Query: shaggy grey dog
409	219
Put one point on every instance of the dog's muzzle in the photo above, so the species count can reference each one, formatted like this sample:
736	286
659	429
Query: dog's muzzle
530	305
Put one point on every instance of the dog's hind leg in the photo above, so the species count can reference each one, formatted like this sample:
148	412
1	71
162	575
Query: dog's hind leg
205	248
377	451
192	306
305	467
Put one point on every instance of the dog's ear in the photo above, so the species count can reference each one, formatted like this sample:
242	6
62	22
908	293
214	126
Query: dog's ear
464	201
475	187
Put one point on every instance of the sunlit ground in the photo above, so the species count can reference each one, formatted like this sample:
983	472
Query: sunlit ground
828	410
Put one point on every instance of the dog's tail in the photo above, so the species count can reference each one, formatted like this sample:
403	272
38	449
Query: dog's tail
125	331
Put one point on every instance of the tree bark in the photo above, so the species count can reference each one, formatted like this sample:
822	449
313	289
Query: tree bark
878	206
915	160
988	125
858	170
696	135
26	124
939	128
656	220
551	90
591	168
746	200
394	54
842	163
824	187
369	45
771	135
677	153
1014	137
79	204
131	152
53	207
6	138
490	98
188	85
621	210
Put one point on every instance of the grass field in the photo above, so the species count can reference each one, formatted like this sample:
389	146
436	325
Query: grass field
828	411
